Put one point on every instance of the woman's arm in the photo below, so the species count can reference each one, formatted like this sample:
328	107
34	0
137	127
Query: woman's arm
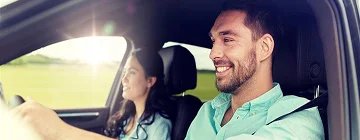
48	125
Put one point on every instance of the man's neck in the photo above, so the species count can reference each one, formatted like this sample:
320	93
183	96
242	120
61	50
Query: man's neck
249	91
260	83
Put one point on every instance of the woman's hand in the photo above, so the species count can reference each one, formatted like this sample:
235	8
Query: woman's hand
42	120
48	125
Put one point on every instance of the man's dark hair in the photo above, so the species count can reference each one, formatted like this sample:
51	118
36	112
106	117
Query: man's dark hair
261	17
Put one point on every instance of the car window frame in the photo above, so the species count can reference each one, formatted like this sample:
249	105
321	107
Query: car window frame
350	41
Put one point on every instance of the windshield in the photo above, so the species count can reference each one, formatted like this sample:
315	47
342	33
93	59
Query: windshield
3	3
358	5
60	74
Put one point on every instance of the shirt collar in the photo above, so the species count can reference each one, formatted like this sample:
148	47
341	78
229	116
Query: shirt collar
221	99
264	101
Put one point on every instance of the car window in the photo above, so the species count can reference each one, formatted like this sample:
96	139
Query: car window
205	88
76	73
358	5
3	3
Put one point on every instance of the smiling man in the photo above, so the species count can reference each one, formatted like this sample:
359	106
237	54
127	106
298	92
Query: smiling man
243	39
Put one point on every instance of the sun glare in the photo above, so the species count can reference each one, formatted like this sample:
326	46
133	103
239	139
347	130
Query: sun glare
93	51
95	54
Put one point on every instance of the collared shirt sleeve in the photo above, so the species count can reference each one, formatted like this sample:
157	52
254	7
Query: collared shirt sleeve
193	126
303	125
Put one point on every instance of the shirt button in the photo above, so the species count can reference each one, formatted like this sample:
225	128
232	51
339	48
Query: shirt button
254	113
237	117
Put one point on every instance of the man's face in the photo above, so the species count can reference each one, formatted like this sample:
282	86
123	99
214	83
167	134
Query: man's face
233	51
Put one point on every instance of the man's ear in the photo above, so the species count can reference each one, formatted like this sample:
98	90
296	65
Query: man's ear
151	81
266	47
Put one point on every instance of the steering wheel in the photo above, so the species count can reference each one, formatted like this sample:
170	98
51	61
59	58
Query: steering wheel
15	101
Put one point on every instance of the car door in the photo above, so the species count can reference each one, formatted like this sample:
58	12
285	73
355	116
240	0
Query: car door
70	73
348	25
350	19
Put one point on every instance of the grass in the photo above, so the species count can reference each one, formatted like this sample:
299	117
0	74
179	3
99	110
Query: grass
59	86
205	87
75	86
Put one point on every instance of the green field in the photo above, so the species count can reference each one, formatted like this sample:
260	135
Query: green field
205	87
74	86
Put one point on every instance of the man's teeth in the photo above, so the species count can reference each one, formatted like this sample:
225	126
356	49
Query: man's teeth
222	69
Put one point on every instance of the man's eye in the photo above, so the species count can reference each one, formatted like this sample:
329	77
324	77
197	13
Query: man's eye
131	72
227	40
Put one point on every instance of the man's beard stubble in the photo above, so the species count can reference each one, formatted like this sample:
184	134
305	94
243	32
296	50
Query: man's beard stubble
246	70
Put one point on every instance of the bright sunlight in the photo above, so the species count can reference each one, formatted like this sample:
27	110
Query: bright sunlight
90	50
95	53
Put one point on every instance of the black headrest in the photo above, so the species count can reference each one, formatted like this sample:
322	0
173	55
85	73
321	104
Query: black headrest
299	60
180	69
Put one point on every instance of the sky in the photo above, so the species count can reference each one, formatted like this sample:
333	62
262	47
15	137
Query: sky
201	55
95	50
105	48
358	3
6	2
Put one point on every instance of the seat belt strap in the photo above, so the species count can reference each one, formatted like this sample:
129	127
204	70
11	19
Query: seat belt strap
315	102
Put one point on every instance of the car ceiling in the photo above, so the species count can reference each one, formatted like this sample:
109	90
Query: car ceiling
28	25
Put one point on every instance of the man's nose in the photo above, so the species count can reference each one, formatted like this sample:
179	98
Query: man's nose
216	51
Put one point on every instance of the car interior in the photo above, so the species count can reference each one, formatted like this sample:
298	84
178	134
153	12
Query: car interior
309	60
180	75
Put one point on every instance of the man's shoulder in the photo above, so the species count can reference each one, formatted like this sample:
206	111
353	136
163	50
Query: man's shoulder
208	103
207	106
291	100
306	123
287	104
206	110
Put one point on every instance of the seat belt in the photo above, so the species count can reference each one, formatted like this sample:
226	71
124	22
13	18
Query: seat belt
314	102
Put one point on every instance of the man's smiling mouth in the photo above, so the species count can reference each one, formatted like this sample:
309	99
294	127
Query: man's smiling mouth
222	69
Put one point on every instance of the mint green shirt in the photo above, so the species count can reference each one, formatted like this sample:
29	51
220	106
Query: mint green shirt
160	129
253	117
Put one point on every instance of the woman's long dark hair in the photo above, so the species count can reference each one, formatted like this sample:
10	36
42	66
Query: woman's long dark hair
156	102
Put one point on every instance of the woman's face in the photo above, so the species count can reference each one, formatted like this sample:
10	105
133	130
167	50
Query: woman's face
135	85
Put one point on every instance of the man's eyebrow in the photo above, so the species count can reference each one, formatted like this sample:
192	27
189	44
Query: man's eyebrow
228	32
